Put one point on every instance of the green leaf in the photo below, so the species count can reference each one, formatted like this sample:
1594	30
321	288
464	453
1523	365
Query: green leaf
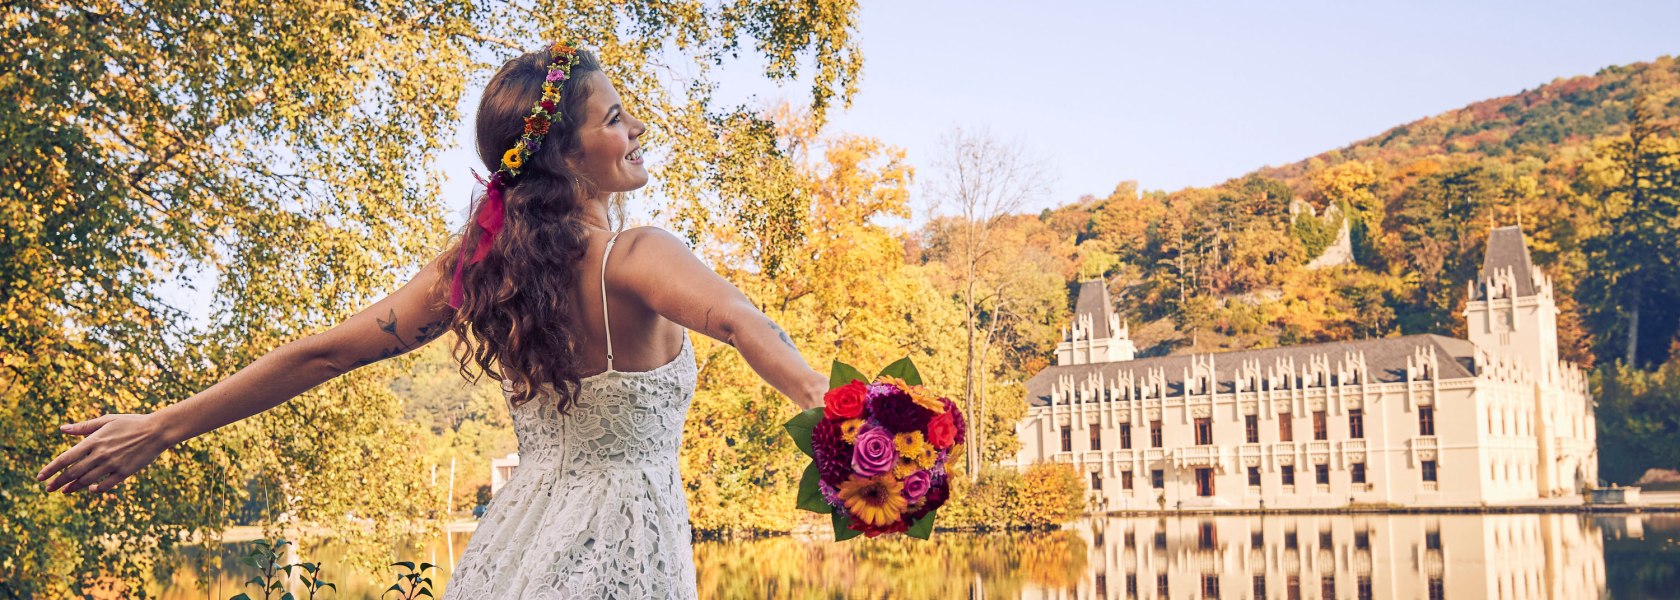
800	427
404	564
841	531
841	374
810	497
241	596
258	580
287	596
427	565
903	369
923	527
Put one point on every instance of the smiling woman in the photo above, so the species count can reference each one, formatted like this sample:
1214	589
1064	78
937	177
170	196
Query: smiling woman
520	290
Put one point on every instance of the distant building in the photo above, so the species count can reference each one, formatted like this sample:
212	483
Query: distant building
501	470
1419	420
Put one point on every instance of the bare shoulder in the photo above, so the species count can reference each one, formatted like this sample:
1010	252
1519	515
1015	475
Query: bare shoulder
660	270
652	243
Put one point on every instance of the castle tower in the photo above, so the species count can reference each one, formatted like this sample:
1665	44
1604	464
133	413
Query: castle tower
1511	314
1097	335
1510	309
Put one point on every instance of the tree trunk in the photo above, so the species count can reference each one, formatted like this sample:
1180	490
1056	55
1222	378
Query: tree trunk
971	451
1633	332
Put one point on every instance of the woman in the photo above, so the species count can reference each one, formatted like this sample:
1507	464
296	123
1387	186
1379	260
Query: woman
540	291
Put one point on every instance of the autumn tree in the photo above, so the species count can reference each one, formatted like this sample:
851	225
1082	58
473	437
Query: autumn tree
289	150
1633	248
981	181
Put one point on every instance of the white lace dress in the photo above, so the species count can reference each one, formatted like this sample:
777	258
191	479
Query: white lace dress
596	508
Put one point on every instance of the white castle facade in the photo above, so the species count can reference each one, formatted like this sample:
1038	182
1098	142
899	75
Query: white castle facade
1420	420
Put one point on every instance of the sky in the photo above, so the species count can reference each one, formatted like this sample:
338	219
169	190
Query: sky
1171	94
1177	94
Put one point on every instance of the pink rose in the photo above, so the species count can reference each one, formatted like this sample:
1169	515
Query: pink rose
917	484
873	453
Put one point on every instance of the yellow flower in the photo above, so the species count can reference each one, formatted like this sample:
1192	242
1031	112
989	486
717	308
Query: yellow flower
904	467
878	501
548	88
512	158
915	451
909	444
849	430
562	48
928	456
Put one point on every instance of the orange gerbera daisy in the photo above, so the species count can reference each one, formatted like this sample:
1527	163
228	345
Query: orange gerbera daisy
878	501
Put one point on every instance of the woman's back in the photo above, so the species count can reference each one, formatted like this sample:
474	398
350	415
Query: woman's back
640	339
596	508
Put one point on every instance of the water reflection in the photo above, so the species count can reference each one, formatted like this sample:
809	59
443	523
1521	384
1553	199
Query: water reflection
1341	556
1238	557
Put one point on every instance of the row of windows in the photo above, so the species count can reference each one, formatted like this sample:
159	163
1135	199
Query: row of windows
1251	427
1292	588
1199	386
1428	472
1207	538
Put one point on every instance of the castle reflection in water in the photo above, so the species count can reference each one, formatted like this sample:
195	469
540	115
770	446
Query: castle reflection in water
1553	556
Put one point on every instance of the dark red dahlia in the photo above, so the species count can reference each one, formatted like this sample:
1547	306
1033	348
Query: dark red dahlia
898	413
962	424
834	455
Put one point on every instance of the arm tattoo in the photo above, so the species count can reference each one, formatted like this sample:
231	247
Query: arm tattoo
427	333
785	339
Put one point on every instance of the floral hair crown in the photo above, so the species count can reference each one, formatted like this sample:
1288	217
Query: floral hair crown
562	57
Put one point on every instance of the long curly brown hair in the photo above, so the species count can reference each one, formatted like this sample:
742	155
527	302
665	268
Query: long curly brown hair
517	321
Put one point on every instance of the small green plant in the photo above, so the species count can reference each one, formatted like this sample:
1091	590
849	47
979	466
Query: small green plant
272	575
417	582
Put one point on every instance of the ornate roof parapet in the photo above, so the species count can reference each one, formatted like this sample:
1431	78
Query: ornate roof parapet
1249	375
1127	383
1422	364
1353	370
1572	378
1155	383
1318	371
1541	282
1200	377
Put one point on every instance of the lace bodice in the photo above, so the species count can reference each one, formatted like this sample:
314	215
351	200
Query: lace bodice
621	420
596	508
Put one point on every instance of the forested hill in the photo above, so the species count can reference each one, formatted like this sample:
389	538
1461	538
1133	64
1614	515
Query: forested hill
1542	123
1589	166
1225	266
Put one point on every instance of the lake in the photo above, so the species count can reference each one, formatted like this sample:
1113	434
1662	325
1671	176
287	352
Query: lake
1552	556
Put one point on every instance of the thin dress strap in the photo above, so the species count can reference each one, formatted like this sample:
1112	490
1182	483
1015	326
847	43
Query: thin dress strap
606	321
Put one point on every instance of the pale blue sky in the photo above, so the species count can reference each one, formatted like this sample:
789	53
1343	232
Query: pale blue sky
1177	94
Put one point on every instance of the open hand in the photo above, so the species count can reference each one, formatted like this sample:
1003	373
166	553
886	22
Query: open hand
116	447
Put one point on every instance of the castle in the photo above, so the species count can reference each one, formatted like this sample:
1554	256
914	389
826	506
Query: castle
1418	420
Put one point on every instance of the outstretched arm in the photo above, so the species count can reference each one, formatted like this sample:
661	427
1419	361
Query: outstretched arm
660	269
117	445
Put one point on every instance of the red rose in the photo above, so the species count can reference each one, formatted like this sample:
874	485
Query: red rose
846	401
942	431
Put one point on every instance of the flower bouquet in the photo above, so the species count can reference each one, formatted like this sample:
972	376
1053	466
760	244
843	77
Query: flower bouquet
878	452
